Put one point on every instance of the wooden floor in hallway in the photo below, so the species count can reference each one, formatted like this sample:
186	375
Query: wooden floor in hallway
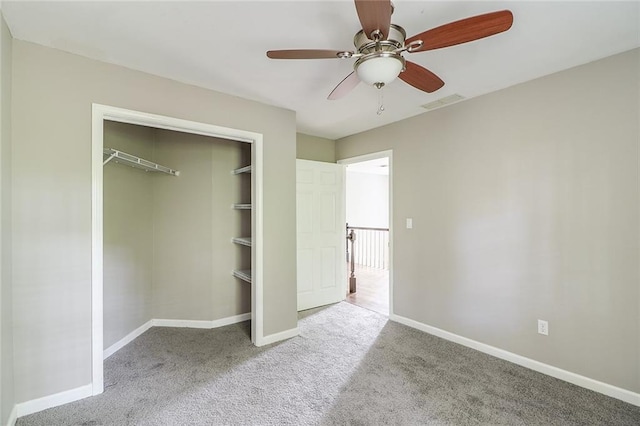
372	289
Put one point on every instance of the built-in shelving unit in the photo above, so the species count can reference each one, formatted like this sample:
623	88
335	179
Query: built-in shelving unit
135	161
242	274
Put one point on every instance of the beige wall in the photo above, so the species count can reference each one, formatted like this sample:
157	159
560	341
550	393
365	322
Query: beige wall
525	207
127	233
6	341
193	227
315	148
52	96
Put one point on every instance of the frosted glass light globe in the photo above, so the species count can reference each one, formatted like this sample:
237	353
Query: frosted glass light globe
379	69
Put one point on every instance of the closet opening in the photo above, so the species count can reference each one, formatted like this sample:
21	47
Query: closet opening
176	228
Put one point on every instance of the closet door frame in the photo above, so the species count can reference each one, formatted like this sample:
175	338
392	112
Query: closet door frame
105	112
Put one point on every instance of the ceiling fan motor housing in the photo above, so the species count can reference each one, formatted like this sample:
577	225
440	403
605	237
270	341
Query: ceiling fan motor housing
394	41
381	61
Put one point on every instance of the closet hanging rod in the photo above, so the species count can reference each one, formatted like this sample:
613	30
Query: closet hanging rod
137	162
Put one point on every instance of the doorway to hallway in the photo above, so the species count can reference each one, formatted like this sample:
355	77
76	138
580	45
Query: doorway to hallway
372	290
368	200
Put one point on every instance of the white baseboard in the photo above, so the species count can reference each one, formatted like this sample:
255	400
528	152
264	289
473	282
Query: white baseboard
276	337
181	323
230	320
35	405
558	373
13	416
173	323
126	339
201	324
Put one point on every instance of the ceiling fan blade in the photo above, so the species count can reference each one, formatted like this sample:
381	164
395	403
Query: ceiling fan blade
421	78
464	30
344	87
374	15
308	54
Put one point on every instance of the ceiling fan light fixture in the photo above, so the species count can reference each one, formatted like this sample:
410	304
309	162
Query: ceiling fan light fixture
380	68
380	44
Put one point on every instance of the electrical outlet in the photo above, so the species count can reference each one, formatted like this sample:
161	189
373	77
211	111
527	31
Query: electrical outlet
543	327
409	223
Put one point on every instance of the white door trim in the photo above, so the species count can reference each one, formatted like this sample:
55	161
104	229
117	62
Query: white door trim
104	112
375	156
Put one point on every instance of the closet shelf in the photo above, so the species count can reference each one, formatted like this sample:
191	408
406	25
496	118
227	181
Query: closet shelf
245	169
245	241
243	274
242	206
137	162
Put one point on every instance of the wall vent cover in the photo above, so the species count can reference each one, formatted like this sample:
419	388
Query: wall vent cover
443	101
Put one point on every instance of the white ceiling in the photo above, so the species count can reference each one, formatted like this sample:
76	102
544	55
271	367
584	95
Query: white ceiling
221	45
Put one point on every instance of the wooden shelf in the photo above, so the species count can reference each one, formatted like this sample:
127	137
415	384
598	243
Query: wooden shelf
243	274
242	206
245	241
245	169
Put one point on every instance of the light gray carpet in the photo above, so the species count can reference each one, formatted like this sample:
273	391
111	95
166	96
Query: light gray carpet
348	366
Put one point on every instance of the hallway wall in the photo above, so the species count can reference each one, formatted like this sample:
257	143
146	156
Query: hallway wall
367	199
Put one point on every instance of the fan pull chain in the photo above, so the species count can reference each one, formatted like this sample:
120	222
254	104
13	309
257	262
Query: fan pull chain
380	102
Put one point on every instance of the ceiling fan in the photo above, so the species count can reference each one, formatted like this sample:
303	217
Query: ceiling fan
380	44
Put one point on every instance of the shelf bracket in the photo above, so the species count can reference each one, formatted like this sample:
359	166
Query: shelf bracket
111	157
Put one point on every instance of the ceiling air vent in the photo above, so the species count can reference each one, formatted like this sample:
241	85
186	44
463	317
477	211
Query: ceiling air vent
442	102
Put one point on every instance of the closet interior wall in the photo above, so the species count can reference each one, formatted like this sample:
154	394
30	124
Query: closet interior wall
127	234
167	239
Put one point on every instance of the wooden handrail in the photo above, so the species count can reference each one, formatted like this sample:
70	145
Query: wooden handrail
361	228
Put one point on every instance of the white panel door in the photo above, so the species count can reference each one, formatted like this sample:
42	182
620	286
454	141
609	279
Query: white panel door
321	233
